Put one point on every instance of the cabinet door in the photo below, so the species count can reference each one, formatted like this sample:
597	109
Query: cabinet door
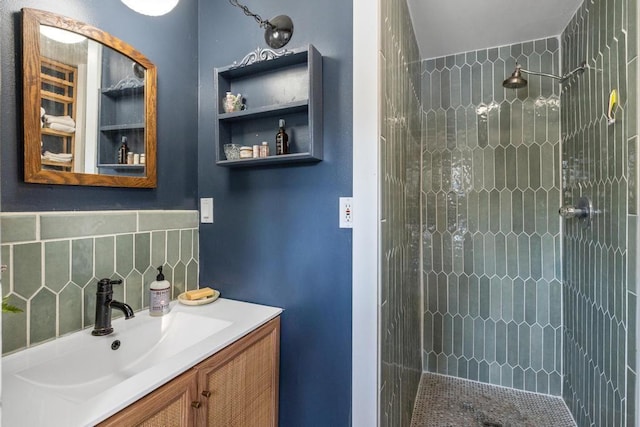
169	406
239	385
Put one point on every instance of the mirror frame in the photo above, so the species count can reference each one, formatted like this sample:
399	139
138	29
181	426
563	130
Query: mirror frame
33	171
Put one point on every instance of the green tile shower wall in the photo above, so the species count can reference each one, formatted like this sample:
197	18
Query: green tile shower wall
599	161
400	311
55	259
491	238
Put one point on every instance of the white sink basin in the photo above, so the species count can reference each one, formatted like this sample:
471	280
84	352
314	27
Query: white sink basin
78	380
89	365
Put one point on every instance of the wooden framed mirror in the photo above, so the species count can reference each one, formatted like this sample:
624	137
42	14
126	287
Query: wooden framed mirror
89	106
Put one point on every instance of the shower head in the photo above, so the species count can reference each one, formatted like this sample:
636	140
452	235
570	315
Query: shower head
516	81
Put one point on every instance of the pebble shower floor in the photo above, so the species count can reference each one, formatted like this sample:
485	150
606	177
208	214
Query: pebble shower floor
452	402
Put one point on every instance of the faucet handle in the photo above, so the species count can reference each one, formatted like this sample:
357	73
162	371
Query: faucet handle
105	285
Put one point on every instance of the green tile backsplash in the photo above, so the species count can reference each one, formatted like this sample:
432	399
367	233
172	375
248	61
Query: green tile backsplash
58	225
54	261
18	228
491	237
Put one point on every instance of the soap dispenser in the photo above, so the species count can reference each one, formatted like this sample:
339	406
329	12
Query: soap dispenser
159	295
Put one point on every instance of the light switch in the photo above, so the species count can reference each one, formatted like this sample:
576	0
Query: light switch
206	210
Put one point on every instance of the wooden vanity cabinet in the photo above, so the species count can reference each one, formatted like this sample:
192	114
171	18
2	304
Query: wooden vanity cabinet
170	405
236	387
239	385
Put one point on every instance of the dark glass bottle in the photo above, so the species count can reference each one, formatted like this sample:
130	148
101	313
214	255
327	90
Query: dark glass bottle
282	140
123	151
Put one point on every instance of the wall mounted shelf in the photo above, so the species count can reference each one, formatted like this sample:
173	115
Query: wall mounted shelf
271	160
287	87
267	111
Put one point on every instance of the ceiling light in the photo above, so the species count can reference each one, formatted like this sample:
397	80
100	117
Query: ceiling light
151	7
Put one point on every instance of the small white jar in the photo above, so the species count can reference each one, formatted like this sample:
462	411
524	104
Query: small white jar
264	149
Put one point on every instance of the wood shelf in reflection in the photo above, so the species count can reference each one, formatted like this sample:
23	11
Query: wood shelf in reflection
53	132
119	166
57	164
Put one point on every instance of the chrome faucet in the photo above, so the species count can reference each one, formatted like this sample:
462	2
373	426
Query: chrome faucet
104	304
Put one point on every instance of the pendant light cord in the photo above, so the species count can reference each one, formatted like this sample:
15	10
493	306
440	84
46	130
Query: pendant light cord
263	22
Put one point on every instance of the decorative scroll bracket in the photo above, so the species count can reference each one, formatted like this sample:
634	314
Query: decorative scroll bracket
260	55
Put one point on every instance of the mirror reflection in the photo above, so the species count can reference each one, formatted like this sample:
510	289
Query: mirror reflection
91	98
92	106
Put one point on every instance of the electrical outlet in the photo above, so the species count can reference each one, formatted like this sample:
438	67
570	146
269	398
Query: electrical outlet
346	212
206	210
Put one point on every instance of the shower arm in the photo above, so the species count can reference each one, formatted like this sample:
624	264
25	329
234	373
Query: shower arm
562	78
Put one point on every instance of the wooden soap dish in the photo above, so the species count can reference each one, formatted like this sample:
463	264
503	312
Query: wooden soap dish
182	299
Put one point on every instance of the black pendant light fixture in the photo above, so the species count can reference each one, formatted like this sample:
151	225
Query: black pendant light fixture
277	31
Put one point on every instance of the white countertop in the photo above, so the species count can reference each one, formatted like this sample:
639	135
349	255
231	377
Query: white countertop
26	404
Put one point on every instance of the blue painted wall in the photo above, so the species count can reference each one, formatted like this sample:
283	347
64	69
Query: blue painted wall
276	239
170	42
